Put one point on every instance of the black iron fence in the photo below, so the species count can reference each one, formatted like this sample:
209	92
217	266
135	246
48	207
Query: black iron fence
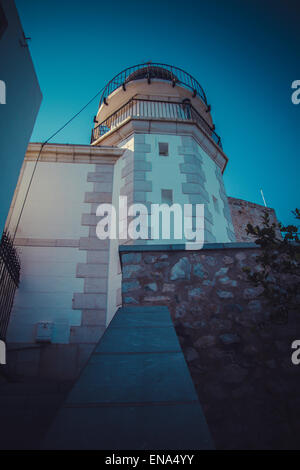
9	280
147	109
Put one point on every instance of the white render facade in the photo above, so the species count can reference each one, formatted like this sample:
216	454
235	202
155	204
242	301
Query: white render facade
70	280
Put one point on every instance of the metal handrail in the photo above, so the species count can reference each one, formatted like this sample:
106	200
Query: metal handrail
137	108
153	70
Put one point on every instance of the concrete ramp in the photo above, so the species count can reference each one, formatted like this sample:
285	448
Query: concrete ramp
134	393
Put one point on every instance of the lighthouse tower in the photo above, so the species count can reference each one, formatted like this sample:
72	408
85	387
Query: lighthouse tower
154	142
161	116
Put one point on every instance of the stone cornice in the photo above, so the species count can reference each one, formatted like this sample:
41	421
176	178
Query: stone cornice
72	153
181	247
164	126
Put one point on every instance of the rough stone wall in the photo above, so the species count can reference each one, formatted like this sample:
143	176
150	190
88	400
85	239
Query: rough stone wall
245	212
239	360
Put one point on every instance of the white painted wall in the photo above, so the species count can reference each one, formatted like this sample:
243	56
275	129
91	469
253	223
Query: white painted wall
212	186
48	280
166	174
53	210
55	201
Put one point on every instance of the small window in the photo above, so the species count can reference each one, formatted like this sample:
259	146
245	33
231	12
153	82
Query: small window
3	21
216	204
167	196
163	149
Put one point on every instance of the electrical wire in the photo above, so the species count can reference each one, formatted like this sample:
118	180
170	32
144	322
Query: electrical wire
40	152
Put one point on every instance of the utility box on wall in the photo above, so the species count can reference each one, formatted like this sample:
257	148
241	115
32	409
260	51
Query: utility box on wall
44	331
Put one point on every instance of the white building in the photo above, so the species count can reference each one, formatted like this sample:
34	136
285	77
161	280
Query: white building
154	142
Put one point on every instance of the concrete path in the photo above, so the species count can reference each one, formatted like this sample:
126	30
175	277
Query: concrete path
134	393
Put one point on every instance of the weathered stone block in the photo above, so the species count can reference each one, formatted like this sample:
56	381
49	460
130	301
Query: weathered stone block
86	243
140	147
143	186
143	166
130	300
97	257
252	292
89	301
221	272
227	281
210	260
168	288
89	220
102	187
130	285
94	285
191	354
100	177
189	168
139	196
139	138
94	317
91	270
199	271
131	258
139	176
152	286
194	188
156	298
201	198
131	270
255	306
102	197
225	294
140	156
196	293
205	342
150	259
181	270
195	178
230	338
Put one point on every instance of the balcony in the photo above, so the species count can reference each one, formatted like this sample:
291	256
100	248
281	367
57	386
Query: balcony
160	110
154	71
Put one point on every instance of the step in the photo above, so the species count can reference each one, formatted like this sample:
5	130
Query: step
135	392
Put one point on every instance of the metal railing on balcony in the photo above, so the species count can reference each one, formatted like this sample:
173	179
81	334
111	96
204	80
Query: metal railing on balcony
9	280
154	70
147	109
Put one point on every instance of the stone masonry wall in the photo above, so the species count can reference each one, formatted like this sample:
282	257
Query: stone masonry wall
240	361
245	212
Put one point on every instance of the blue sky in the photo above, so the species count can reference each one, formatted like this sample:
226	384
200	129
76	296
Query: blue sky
244	53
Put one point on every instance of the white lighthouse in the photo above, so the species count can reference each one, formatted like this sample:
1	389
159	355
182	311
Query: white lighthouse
160	115
154	142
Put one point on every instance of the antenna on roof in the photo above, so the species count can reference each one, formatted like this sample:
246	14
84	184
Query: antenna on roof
263	197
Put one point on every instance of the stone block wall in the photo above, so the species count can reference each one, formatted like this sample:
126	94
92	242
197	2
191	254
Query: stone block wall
187	172
245	212
239	359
